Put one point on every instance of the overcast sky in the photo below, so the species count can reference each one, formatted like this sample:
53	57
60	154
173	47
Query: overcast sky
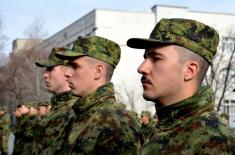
57	14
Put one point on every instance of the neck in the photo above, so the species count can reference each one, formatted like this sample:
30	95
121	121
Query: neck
182	94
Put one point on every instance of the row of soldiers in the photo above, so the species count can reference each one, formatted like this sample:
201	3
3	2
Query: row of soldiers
28	117
86	119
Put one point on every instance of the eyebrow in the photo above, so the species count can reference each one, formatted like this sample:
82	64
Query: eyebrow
71	64
152	53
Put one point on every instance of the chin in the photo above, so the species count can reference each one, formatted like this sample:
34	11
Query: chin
148	97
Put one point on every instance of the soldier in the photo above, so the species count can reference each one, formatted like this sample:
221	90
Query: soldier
42	108
31	128
19	130
177	56
147	123
4	130
100	126
55	122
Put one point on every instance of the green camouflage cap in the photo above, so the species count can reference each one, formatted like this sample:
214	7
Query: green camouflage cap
148	113
43	103
191	34
52	59
95	47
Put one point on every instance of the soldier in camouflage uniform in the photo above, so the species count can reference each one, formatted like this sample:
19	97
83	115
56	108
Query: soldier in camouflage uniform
147	123
21	125
55	123
178	53
31	128
4	130
101	127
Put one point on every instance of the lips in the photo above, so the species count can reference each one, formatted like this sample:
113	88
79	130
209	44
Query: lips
144	80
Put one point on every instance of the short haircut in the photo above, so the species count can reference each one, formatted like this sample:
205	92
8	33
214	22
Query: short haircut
187	55
108	67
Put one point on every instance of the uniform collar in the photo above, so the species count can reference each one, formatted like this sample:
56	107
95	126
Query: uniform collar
202	100
102	95
61	97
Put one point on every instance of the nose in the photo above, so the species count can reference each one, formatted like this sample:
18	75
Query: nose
143	68
45	74
68	73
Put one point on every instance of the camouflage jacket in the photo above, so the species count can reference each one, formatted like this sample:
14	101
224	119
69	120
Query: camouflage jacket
190	127
31	131
101	127
55	124
4	133
147	128
20	134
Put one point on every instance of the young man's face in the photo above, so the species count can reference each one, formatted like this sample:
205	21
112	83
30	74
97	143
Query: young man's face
24	109
54	79
161	73
80	76
144	119
33	111
42	110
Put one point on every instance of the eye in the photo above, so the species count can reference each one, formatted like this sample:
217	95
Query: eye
50	68
154	59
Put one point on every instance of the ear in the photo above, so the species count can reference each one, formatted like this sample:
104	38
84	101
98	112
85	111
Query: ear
191	70
99	71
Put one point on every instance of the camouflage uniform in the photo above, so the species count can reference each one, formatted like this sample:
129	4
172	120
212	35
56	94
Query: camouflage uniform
30	134
149	127
55	124
191	127
4	131
102	128
20	134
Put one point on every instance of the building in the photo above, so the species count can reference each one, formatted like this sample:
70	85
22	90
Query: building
24	44
119	26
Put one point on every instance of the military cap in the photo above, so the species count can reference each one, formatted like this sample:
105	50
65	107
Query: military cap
191	34
93	46
43	103
3	108
148	113
52	59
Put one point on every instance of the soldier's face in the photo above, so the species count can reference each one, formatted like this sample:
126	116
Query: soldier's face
161	74
54	79
81	76
42	110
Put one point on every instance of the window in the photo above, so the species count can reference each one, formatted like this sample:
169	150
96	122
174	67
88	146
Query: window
228	44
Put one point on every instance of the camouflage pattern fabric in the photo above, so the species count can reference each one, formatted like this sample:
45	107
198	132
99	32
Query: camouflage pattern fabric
147	129
55	124
191	34
101	127
20	134
52	59
95	47
4	132
190	127
31	133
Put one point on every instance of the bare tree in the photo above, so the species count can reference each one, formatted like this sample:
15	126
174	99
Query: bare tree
3	39
21	77
221	75
36	30
132	96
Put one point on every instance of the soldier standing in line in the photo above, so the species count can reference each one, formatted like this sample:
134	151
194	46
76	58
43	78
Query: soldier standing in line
101	126
21	125
147	123
4	130
54	124
177	56
31	128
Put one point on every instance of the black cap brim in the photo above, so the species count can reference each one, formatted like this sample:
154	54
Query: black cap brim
141	43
